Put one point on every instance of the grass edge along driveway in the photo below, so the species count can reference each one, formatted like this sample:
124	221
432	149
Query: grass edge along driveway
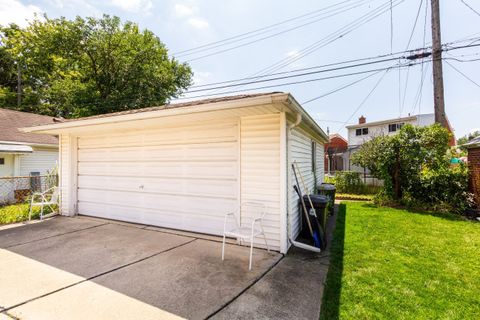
394	264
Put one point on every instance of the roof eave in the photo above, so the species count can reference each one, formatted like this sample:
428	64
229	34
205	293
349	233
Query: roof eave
58	127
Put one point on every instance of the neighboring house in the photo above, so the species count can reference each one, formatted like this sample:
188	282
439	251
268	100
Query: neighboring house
364	131
473	147
22	153
334	153
185	165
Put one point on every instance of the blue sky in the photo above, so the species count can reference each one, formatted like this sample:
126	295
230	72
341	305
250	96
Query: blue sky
185	24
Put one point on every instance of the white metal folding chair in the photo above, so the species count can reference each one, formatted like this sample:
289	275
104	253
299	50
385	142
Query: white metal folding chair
253	210
47	198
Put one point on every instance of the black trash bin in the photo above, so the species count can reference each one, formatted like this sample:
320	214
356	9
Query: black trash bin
319	204
328	190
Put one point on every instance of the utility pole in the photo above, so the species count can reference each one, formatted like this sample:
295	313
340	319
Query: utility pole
438	92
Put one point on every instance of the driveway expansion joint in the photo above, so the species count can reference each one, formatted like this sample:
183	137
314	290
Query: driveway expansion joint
56	235
246	288
4	310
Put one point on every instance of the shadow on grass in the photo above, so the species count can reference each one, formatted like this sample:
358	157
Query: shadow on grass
333	286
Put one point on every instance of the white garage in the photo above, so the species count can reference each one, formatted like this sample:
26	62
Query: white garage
183	166
183	177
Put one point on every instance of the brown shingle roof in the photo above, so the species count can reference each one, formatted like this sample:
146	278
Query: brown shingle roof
176	105
11	120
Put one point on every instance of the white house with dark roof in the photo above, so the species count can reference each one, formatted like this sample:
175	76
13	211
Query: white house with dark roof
23	153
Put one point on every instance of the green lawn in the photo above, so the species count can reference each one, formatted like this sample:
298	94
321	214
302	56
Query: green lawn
19	212
394	264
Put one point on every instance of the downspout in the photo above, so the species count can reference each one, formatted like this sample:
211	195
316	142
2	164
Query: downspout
293	242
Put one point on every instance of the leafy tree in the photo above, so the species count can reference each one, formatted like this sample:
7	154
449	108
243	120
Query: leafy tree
466	138
415	164
87	66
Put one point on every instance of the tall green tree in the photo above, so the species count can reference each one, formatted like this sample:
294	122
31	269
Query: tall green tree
86	67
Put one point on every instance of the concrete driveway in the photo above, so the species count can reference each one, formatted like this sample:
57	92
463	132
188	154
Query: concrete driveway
85	268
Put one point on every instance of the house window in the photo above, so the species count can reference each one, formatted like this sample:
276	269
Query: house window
394	127
361	132
2	161
314	158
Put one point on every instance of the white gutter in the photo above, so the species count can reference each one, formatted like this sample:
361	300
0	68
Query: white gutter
304	246
297	122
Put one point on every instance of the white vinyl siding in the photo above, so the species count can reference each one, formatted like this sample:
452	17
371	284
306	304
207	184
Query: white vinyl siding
260	168
65	174
182	177
320	163
40	160
300	148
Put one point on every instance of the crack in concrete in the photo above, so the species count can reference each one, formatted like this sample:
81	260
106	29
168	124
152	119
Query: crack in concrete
97	275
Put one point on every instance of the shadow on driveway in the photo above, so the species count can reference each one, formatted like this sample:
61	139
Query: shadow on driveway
66	264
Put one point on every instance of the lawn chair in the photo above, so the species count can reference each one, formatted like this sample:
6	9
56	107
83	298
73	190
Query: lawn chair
47	198
248	232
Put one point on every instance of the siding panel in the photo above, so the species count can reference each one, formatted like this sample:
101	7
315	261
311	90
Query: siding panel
300	150
41	160
260	167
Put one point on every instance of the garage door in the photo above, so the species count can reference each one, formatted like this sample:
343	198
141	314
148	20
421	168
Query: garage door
184	177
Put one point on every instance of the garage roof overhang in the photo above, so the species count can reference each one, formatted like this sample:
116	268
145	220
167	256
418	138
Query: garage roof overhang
15	148
282	102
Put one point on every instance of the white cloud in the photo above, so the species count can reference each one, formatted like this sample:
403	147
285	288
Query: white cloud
189	14
200	77
133	5
13	11
182	10
198	23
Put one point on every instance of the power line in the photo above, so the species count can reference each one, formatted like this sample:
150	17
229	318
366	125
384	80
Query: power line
365	99
463	74
414	25
391	26
340	33
471	8
300	82
406	48
340	88
293	76
264	38
235	83
178	53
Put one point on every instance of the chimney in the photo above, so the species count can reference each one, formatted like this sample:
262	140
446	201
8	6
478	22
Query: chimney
362	120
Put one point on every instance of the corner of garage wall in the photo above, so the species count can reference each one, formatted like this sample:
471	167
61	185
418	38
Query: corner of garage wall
67	170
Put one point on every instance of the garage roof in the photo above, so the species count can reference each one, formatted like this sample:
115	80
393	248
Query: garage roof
226	102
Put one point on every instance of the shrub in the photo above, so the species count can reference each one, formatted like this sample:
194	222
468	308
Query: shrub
415	167
351	182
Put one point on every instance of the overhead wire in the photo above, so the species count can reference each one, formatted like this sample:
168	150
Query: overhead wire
365	99
463	74
360	3
338	34
339	88
406	48
470	7
256	31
